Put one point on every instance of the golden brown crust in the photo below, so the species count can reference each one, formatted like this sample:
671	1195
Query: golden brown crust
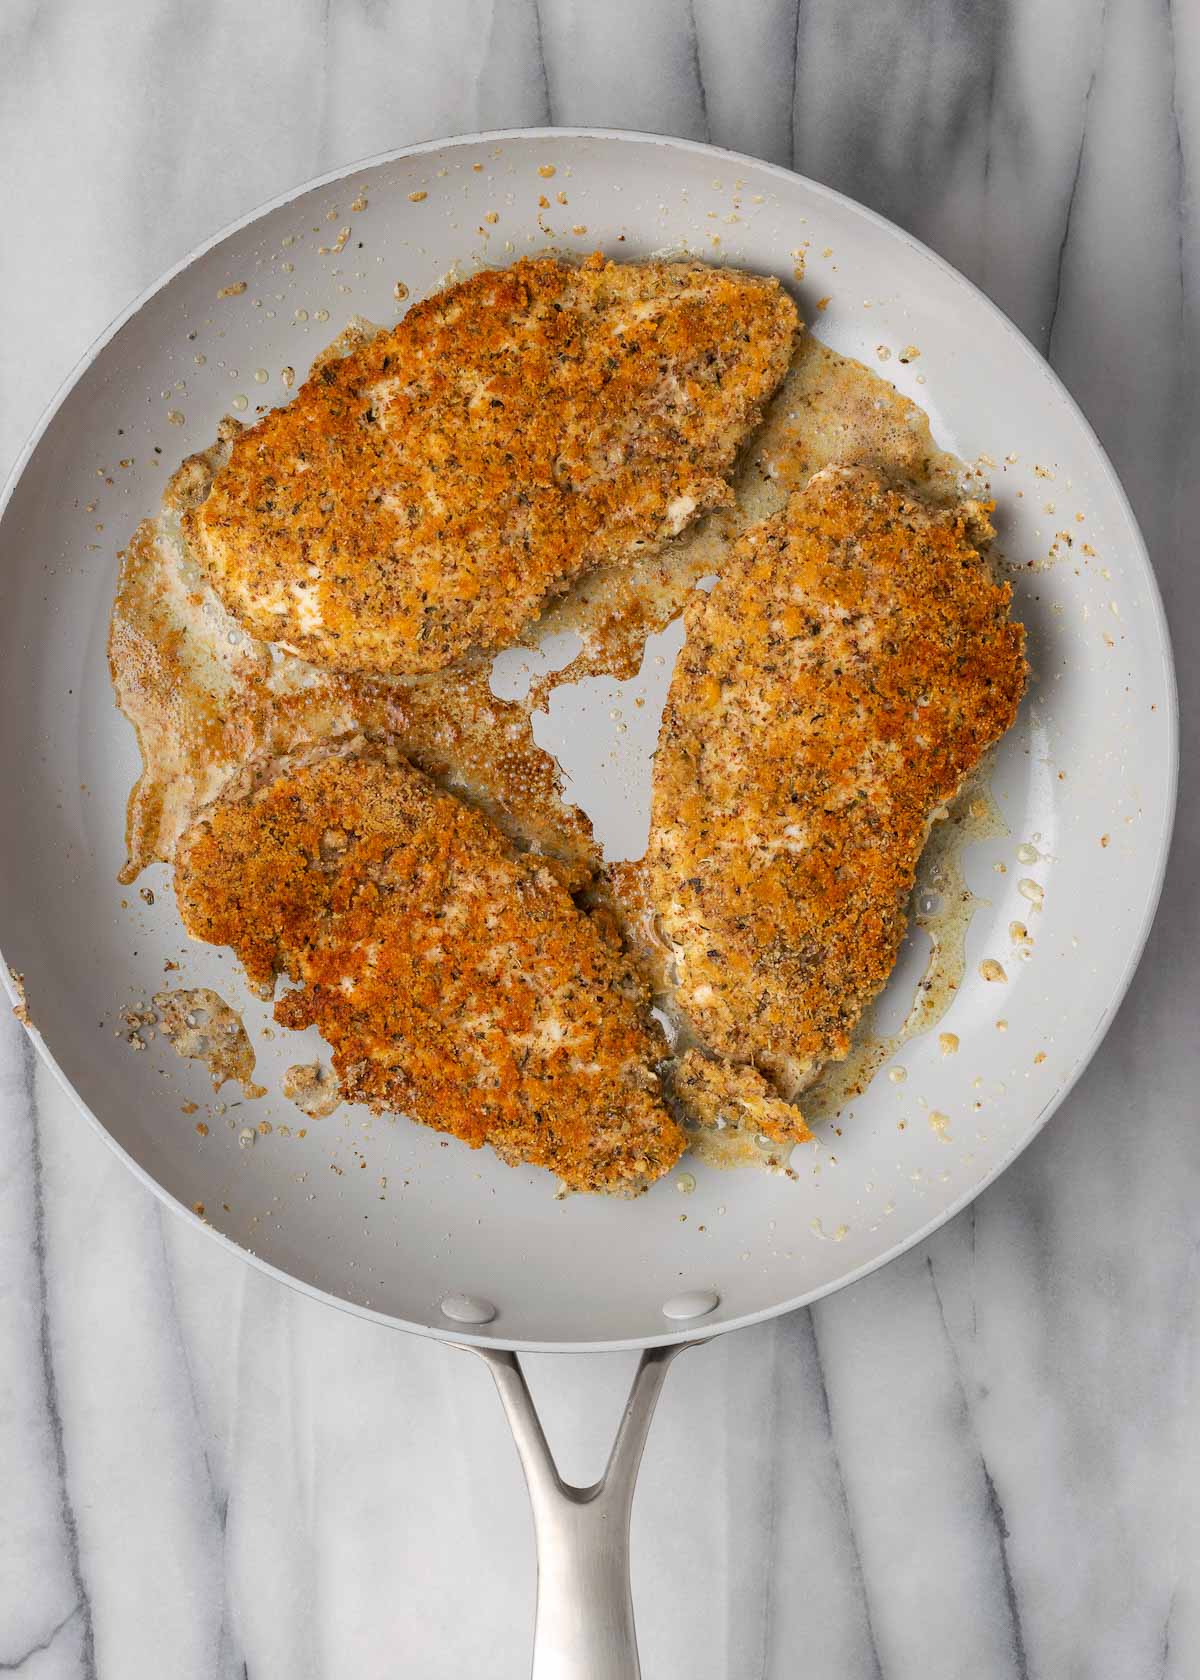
431	491
719	1094
453	977
851	666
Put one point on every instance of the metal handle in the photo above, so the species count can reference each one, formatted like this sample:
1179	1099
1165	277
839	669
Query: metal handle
584	1624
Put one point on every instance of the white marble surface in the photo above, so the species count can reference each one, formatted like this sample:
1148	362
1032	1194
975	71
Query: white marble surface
985	1460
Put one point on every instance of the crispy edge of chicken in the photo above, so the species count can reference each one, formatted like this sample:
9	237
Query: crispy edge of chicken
717	1094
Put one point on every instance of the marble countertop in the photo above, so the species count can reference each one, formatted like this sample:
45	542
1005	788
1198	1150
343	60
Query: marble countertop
984	1460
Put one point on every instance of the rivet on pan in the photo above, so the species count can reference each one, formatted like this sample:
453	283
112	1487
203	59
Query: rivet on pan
694	1303
467	1309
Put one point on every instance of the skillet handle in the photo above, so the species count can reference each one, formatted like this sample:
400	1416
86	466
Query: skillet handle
584	1625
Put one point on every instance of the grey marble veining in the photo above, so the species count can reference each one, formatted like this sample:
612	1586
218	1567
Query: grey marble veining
983	1461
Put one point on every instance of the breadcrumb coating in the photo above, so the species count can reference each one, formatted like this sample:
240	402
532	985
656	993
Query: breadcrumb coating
716	1094
849	669
453	976
433	490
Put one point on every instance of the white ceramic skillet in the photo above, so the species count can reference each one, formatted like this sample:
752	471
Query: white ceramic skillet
456	1245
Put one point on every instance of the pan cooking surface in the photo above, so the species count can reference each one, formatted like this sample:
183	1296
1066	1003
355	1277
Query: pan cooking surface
1065	843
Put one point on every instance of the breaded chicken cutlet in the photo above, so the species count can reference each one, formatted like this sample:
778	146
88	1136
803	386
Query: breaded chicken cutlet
453	977
849	669
432	491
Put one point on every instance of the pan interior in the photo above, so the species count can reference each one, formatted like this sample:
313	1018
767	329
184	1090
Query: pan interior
384	1216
